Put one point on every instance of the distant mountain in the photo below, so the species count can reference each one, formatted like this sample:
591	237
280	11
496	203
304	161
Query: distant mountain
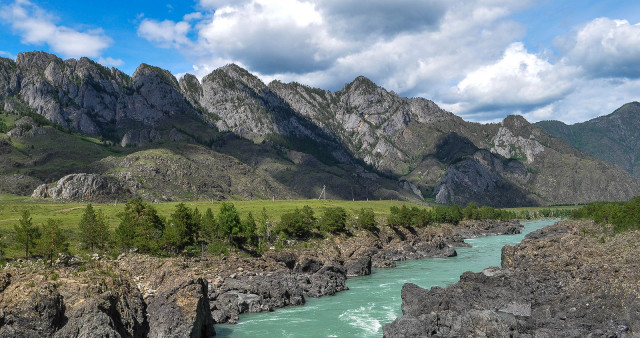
232	136
614	138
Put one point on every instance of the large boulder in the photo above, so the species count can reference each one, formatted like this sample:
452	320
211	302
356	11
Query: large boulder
360	266
83	187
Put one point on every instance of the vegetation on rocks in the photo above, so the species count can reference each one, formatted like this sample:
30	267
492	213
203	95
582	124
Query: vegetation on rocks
623	216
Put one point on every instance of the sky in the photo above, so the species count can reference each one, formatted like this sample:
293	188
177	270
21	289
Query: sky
568	60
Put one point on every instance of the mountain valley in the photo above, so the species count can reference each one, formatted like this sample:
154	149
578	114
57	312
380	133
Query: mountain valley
231	136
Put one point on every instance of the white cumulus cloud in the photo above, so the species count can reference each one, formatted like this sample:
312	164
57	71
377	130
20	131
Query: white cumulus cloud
468	56
517	80
604	48
165	33
37	27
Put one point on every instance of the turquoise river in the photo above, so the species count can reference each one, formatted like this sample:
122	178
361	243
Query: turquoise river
373	301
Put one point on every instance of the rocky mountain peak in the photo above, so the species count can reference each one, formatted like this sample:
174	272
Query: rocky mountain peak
145	71
362	85
515	122
35	60
191	88
517	139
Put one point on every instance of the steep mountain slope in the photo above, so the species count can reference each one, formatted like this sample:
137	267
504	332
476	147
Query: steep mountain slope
232	136
613	138
508	164
45	100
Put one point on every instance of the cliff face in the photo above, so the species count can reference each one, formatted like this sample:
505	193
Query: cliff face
373	142
560	281
101	300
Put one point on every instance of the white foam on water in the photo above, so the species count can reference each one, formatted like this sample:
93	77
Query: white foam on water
361	319
390	313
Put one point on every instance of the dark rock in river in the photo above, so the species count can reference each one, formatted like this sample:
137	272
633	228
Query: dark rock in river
358	267
326	281
254	293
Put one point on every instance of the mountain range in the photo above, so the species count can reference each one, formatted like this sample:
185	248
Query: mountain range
613	137
232	136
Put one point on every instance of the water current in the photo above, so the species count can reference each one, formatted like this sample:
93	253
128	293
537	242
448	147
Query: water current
373	301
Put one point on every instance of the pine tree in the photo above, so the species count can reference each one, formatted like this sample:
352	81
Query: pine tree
53	240
209	226
334	220
26	234
140	227
366	219
249	228
263	226
228	221
181	231
94	231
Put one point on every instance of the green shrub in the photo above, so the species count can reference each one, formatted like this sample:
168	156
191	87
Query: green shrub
334	220
366	219
297	224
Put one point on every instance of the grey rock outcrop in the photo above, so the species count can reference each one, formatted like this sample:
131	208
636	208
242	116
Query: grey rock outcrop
360	266
180	309
36	311
83	187
254	292
119	311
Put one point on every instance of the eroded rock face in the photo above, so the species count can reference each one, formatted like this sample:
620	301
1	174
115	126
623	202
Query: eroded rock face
360	266
557	282
83	187
115	310
28	310
254	292
180	309
101	301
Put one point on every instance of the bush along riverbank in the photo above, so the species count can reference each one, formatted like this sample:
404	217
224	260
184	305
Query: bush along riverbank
141	295
573	279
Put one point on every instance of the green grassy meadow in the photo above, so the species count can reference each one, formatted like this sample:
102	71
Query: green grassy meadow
69	213
11	208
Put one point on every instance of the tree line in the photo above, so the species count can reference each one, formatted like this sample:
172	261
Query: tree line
623	216
188	231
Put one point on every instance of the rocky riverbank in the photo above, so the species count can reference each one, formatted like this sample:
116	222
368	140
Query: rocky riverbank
567	280
142	296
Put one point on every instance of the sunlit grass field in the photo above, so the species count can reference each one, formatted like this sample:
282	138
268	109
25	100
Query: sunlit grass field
69	213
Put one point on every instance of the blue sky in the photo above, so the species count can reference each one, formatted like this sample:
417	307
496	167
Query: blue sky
483	60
